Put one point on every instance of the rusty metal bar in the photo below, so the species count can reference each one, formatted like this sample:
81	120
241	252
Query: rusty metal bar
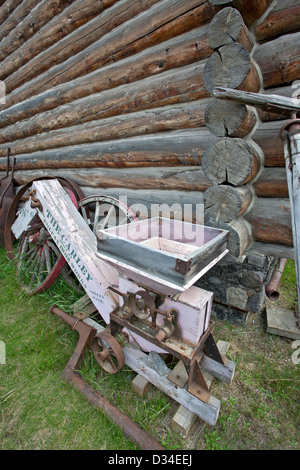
130	429
272	288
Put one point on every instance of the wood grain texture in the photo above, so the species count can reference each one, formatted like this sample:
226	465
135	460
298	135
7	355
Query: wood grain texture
62	24
12	12
161	23
187	178
24	30
284	17
279	60
228	27
225	203
270	219
77	41
251	11
231	66
181	85
177	116
183	147
230	161
225	118
171	54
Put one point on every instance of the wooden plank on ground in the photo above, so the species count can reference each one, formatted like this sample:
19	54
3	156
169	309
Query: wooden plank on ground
84	305
141	386
283	322
184	419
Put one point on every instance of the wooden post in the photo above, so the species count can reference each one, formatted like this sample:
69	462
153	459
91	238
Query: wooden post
291	139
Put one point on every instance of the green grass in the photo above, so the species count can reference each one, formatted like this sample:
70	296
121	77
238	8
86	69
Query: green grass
39	410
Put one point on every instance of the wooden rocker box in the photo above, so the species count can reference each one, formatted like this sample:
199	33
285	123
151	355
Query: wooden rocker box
171	252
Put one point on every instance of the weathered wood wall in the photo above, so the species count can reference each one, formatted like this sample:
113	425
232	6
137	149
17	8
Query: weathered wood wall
117	95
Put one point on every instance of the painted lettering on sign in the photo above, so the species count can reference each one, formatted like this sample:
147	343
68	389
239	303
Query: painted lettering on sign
72	257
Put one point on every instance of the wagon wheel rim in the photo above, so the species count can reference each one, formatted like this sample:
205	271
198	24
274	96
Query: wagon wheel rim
108	352
38	260
101	212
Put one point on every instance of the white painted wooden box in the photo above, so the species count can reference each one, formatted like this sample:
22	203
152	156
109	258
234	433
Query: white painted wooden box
167	250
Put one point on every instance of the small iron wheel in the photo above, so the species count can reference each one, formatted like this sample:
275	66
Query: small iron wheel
142	305
108	352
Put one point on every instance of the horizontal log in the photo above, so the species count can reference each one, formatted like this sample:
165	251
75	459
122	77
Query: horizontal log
272	249
283	17
187	178
148	28
174	53
40	15
163	149
179	116
180	205
181	85
272	182
226	118
226	203
279	60
267	136
228	27
251	11
76	41
270	219
230	161
231	66
72	17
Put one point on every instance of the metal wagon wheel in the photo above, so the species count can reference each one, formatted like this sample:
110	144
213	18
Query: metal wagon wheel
101	212
38	261
23	195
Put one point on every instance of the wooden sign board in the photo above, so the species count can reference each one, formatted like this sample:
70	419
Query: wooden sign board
23	220
77	243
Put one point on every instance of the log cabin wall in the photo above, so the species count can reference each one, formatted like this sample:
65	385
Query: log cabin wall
118	96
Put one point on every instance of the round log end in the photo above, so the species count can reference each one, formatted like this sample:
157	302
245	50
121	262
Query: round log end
226	118
228	27
230	161
228	67
225	203
240	235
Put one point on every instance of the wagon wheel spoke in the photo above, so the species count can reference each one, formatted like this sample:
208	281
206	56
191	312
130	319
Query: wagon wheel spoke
38	263
101	212
106	219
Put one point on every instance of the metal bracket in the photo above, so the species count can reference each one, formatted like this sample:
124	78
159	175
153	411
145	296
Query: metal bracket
183	266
